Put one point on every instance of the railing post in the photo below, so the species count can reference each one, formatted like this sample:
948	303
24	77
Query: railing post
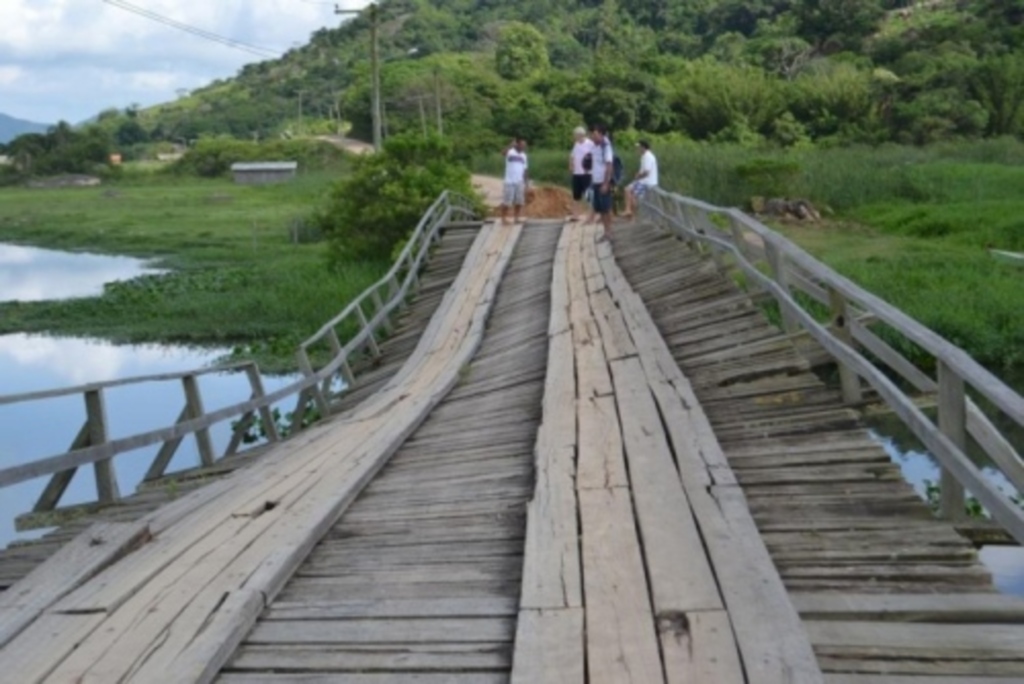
680	214
738	237
96	415
194	403
378	305
840	328
266	412
952	423
345	369
318	396
414	277
371	341
780	272
394	287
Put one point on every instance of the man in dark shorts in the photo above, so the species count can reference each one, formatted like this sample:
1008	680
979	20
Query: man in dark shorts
580	161
602	176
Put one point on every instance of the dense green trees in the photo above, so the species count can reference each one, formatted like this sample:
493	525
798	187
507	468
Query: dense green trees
62	149
783	71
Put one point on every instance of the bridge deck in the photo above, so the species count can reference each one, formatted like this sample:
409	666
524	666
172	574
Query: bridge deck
422	573
624	485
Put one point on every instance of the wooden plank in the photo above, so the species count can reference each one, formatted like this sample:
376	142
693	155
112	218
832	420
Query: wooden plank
390	659
393	608
699	647
614	335
551	563
921	640
592	377
549	647
677	567
833	678
372	678
31	659
601	460
383	631
75	563
622	647
551	559
959	608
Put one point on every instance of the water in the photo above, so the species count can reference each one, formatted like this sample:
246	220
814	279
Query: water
1005	562
29	274
34	430
29	431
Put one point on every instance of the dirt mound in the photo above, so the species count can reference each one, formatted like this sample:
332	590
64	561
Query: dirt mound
548	202
544	202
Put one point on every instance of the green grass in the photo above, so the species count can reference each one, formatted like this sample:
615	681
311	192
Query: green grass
956	290
237	277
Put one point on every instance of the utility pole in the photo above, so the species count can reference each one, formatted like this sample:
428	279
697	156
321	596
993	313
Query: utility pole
375	108
423	115
437	101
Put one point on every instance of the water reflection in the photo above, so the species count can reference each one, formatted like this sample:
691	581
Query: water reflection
30	274
918	466
30	431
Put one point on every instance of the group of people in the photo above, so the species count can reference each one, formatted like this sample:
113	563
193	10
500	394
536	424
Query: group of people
594	169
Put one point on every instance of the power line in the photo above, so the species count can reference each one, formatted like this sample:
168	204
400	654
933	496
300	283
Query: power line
194	30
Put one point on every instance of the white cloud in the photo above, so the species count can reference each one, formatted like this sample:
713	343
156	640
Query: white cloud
69	59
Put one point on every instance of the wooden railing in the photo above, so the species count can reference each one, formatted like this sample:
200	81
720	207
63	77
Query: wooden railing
792	277
370	314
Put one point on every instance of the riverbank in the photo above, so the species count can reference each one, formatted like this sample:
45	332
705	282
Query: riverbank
247	270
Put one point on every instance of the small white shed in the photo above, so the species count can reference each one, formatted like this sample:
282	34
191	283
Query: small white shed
263	173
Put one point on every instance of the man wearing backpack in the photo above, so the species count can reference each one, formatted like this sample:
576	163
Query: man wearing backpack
581	162
603	177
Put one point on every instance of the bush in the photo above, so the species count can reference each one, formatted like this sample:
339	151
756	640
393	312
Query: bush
376	206
213	157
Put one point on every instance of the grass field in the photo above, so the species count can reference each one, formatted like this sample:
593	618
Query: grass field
238	277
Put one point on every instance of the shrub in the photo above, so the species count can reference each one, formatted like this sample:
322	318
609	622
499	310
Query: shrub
376	206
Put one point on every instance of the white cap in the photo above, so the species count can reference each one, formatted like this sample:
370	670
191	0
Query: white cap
580	130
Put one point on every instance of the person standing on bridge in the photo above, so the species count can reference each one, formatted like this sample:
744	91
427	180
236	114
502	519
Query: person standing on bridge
581	160
645	179
516	175
602	177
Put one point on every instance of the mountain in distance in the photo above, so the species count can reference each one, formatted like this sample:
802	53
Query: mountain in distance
11	128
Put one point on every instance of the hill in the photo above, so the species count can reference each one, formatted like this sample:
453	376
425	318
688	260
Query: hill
792	72
11	128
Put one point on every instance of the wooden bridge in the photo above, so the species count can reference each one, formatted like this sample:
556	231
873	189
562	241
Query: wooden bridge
552	460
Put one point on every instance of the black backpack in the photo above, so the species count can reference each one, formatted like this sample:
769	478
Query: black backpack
588	162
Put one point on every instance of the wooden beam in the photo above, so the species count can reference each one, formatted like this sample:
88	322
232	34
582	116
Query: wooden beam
75	563
96	416
953	424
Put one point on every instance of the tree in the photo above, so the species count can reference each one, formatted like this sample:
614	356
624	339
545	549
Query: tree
998	84
521	51
835	25
370	211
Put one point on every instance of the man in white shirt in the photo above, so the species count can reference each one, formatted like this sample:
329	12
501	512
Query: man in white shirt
646	178
516	176
602	178
581	161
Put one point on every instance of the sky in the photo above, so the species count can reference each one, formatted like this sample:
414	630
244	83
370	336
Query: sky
70	59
